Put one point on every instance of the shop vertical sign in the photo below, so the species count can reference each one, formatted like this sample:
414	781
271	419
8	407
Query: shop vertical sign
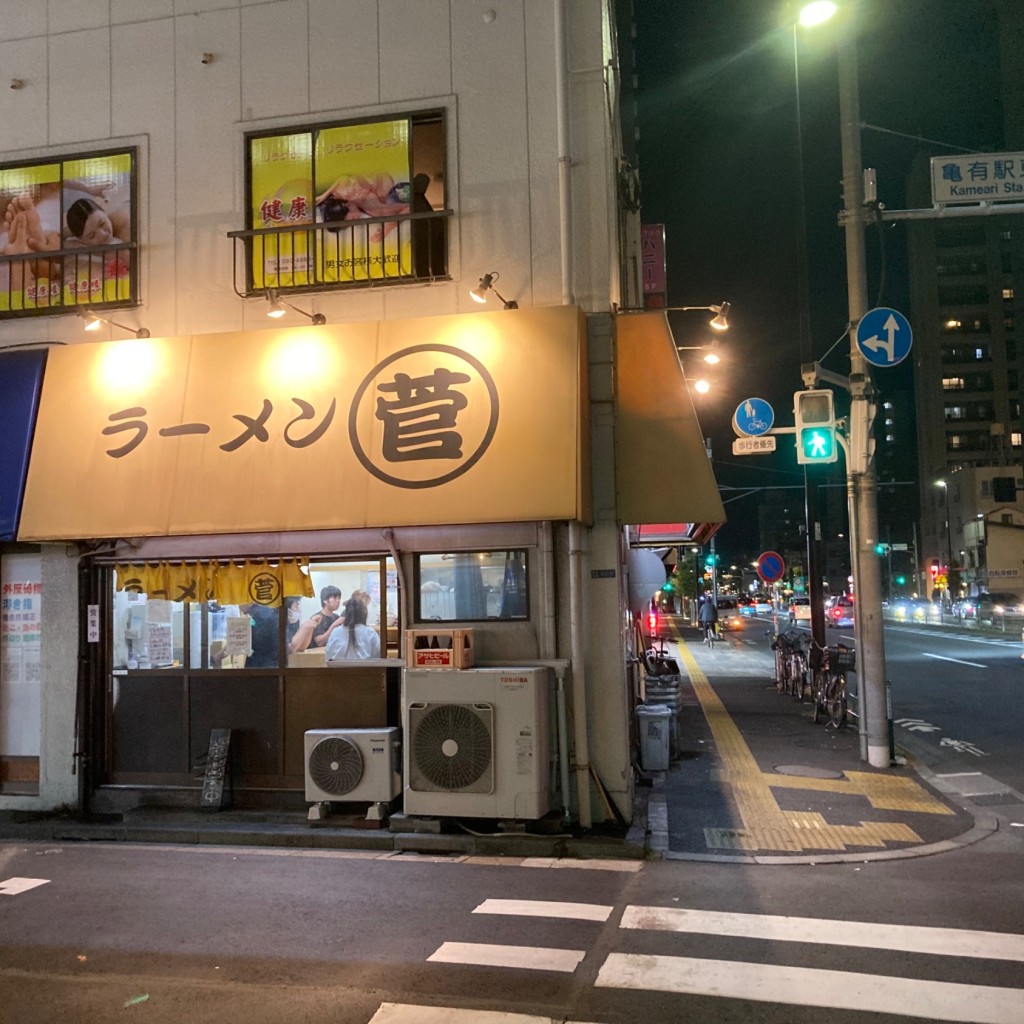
21	595
652	259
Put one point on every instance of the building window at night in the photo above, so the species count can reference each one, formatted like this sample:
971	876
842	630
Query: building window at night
1007	293
952	383
69	234
343	205
471	586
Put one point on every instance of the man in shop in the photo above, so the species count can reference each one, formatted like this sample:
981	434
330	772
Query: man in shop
312	634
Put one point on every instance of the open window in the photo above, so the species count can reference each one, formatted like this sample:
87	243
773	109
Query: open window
345	205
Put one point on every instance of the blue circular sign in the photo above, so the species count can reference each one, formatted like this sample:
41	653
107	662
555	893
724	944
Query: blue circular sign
770	566
753	417
884	336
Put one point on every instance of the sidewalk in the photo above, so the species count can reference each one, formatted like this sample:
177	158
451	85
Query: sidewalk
756	780
752	780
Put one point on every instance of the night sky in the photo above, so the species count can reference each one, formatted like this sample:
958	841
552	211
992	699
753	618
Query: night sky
718	167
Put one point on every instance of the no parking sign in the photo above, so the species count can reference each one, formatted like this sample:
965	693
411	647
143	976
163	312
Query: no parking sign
770	566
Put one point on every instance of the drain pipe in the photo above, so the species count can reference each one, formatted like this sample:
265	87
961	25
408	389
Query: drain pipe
579	689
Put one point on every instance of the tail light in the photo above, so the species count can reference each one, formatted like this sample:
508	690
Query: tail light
652	623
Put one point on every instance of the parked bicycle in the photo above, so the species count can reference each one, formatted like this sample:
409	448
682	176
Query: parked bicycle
829	682
790	661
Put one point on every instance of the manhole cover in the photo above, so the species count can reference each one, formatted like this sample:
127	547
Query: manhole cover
807	772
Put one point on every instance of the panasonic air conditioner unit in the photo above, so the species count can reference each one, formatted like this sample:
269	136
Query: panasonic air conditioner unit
353	765
476	742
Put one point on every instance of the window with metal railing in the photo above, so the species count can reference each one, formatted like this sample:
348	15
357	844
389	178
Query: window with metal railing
68	234
345	205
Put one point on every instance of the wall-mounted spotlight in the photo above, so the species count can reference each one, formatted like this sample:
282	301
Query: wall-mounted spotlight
93	321
278	308
479	293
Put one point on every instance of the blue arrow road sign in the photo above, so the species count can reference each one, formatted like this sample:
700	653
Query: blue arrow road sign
753	417
884	336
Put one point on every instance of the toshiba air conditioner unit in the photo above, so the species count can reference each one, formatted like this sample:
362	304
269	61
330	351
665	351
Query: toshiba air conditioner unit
476	742
353	765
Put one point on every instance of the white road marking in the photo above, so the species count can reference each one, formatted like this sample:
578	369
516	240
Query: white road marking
956	661
543	908
804	986
864	934
406	1013
14	886
534	958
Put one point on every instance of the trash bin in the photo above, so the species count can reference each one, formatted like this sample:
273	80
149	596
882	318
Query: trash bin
653	723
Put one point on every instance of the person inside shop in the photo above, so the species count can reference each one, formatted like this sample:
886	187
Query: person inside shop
312	634
351	637
293	608
263	652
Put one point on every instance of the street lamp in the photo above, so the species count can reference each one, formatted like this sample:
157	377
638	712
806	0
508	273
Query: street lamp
949	543
862	481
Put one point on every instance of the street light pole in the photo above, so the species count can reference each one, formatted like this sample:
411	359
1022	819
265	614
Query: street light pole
944	484
862	483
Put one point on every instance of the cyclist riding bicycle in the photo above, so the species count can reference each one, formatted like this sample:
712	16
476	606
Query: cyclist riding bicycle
707	616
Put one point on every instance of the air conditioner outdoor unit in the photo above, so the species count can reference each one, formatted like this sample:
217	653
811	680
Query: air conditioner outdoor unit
476	742
353	764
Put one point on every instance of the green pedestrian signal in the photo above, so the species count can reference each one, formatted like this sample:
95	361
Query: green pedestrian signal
815	418
816	444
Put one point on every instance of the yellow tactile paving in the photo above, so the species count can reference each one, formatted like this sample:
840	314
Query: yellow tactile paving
765	826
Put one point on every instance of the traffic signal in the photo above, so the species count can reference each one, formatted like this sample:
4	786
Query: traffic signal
933	569
815	418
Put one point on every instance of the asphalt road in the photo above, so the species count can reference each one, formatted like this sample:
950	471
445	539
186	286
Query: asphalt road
134	933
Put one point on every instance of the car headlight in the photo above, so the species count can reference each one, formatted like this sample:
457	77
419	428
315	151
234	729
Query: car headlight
999	610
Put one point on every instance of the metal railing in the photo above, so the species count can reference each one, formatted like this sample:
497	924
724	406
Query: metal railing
411	247
56	281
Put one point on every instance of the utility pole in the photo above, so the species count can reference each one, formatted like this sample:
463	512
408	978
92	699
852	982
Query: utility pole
862	482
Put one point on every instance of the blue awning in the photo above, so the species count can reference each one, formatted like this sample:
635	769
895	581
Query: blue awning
21	378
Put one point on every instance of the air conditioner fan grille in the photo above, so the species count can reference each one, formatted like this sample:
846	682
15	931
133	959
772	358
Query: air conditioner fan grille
335	765
452	746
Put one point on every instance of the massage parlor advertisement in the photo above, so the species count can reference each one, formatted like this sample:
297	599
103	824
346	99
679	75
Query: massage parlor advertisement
66	233
345	178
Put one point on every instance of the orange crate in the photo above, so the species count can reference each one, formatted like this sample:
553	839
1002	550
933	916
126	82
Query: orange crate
439	648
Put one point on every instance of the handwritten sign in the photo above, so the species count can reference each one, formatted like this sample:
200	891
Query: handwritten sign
213	797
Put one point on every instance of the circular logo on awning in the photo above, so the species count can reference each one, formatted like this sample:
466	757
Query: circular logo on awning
265	588
423	416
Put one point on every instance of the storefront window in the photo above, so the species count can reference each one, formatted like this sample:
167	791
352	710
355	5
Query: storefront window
148	633
234	636
471	586
347	596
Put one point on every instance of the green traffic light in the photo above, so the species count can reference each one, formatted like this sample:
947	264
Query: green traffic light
901	580
879	549
818	444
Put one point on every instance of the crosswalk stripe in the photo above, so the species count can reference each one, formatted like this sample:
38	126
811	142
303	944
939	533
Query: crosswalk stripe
14	886
543	908
908	938
407	1013
535	958
805	986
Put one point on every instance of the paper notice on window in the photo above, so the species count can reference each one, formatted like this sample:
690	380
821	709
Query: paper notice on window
239	635
158	643
158	611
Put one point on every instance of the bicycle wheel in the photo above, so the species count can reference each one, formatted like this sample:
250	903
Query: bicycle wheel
819	687
780	671
837	701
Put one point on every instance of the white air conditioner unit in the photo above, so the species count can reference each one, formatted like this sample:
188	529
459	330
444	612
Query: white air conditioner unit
353	764
476	742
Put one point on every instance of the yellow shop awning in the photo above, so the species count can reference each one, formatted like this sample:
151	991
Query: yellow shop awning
662	471
468	418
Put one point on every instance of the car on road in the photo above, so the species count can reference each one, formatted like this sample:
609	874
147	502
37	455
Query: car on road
762	606
729	612
839	611
912	609
800	609
999	606
965	609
